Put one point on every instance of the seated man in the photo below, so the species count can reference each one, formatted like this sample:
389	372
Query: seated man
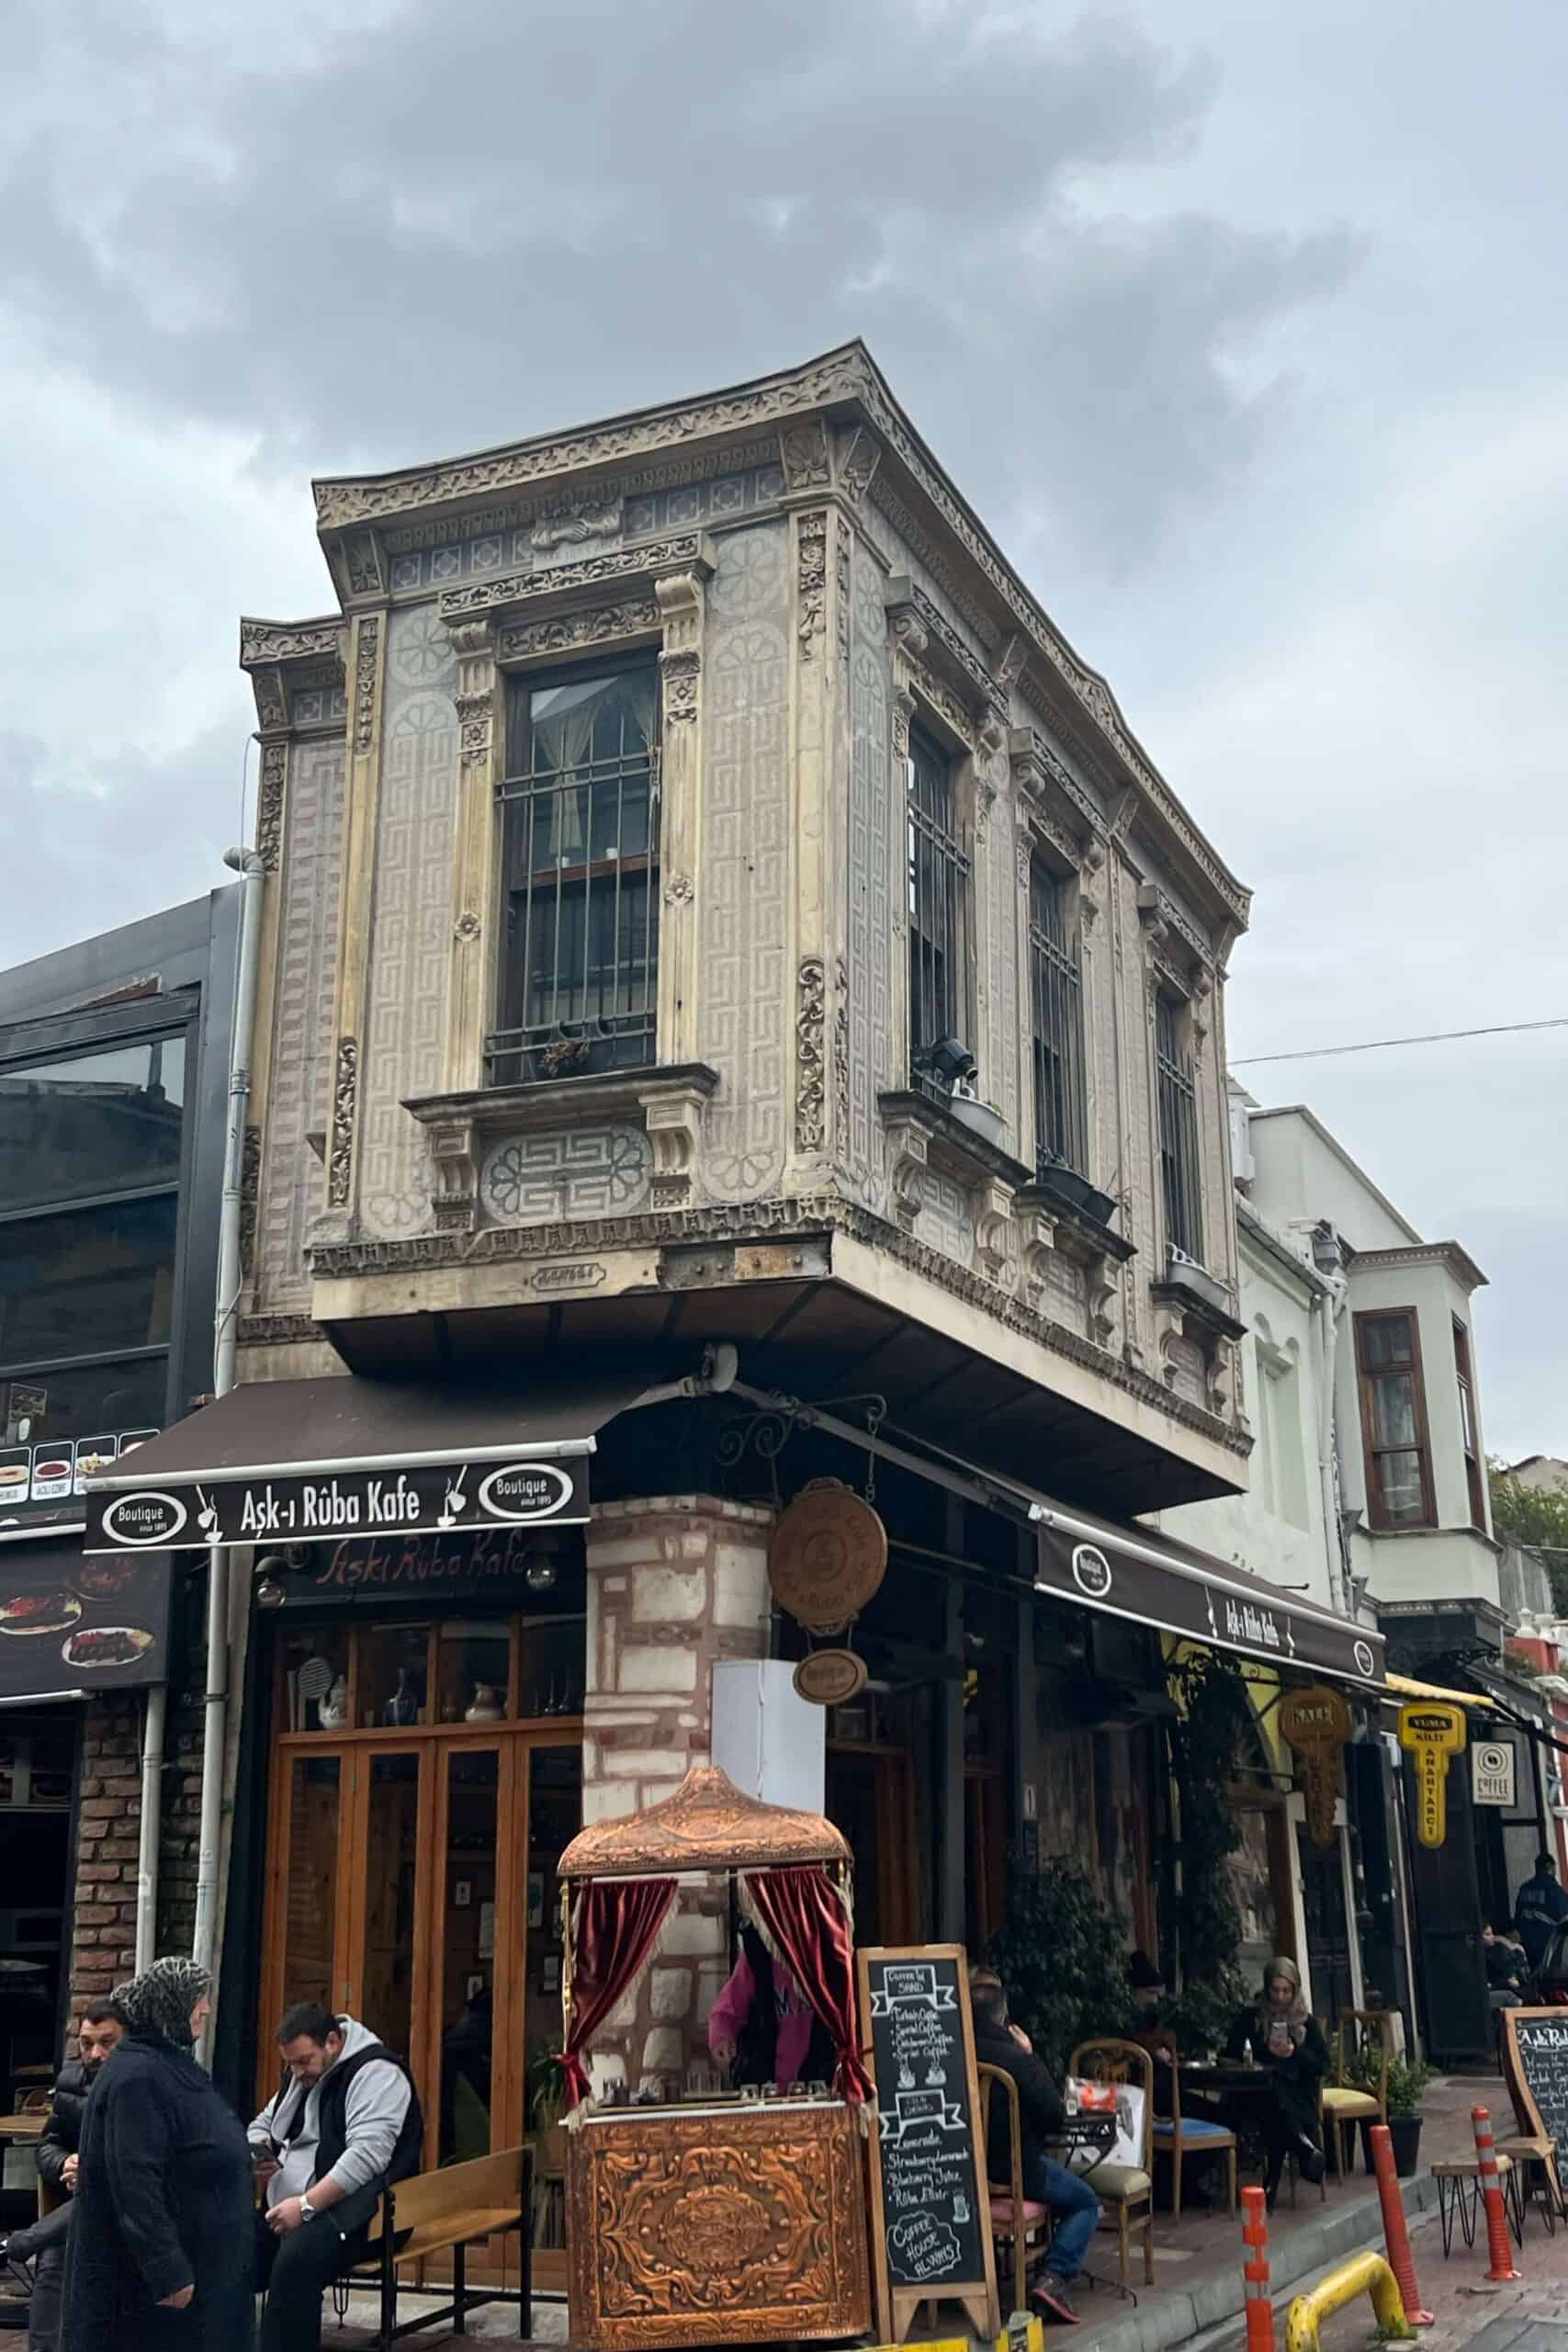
346	2122
1072	2205
101	2031
1505	1966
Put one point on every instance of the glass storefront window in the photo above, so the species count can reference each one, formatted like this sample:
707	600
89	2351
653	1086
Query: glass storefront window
468	1942
315	1794
473	1667
394	1677
315	1682
555	1817
552	1669
392	1866
97	1123
121	1398
88	1281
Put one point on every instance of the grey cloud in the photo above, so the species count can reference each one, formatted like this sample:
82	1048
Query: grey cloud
453	230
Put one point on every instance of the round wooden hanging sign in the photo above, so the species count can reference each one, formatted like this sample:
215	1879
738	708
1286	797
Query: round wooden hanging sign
830	1678
827	1556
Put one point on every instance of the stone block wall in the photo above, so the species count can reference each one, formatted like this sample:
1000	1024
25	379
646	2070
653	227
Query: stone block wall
675	1584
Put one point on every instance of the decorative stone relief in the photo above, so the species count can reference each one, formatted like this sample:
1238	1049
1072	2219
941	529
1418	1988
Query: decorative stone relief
865	1010
468	925
994	1237
569	632
365	662
945	1218
907	1168
812	535
272	706
857	462
288	640
677	890
363	564
566	1172
674	1119
298	1099
250	1182
681	674
841	1048
744	1012
589	572
844	543
803	450
345	1087
270	804
809	1073
578	516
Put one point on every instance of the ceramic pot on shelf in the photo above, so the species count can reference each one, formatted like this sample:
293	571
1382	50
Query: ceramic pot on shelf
486	1705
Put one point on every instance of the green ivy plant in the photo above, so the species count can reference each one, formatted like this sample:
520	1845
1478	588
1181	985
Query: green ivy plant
1213	1720
1061	1951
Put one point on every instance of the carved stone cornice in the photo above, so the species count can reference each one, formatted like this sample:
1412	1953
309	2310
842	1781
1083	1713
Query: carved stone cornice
762	1221
685	552
290	641
632	617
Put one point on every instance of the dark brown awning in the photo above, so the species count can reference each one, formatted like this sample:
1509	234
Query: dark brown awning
314	1460
1154	1579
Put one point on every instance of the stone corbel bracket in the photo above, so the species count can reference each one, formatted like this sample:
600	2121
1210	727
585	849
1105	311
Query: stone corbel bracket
1175	950
932	659
361	571
462	1128
1051	804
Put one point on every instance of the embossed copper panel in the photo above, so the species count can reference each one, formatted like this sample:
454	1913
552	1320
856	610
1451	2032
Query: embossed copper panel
707	1824
729	2226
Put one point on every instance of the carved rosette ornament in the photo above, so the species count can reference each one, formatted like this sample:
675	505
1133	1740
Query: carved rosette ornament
810	1096
346	1088
568	632
813	563
270	804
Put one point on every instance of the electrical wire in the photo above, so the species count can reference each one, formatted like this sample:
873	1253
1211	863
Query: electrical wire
1379	1045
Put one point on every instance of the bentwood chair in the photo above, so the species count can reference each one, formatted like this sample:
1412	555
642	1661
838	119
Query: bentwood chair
1020	2229
1180	2136
1343	2105
1127	2189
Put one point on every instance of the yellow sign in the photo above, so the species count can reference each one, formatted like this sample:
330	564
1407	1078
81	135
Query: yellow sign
1315	1724
1431	1732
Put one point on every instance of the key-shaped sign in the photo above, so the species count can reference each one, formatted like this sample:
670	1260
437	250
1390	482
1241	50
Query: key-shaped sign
1430	1731
1316	1723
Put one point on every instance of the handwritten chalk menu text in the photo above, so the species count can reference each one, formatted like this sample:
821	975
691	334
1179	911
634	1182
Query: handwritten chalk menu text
933	2229
1537	2047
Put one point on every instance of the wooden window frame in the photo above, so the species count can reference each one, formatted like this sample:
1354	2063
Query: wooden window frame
1371	1452
1464	1375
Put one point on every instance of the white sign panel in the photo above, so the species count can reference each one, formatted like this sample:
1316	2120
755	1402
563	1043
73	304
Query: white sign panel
1492	1772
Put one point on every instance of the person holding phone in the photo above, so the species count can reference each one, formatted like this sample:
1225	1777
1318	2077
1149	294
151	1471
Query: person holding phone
1288	2040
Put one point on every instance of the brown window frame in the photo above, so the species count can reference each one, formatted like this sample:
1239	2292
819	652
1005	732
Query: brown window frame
1365	1375
1465	1375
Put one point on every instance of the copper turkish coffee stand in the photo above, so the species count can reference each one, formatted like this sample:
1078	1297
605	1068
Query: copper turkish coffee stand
719	2220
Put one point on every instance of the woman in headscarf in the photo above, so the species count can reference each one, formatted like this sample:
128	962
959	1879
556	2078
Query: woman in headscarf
1288	2041
163	2241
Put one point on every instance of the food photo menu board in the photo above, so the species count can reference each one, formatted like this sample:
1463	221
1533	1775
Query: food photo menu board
71	1624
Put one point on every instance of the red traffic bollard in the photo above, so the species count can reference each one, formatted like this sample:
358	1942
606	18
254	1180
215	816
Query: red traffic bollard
1396	2236
1255	2271
1501	2268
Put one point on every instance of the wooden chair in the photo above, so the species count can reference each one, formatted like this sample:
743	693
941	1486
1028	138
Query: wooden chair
1127	2189
1341	2106
1020	2229
445	2213
1191	2136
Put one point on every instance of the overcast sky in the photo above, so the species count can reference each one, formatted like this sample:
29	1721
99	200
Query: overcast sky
1241	322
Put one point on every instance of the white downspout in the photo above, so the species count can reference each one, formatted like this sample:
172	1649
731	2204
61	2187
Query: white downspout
247	864
1328	1306
151	1827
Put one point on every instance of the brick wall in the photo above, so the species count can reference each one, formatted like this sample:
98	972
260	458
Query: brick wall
103	1951
675	1584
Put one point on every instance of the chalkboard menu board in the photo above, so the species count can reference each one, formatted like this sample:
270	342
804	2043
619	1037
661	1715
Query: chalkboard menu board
930	2203
1536	2043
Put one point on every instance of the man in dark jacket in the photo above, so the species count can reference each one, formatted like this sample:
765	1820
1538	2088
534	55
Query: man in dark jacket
1072	2205
345	2122
1541	1906
102	2030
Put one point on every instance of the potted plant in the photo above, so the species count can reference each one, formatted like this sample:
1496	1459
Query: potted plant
545	2083
1407	2081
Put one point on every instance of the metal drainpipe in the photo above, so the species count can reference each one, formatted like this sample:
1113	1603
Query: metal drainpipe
151	1827
247	864
1328	1306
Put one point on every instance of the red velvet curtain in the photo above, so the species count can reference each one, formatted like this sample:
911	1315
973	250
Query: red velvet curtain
616	1924
810	1929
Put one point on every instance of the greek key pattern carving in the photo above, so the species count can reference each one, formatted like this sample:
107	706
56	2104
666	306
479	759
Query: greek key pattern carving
744	1012
298	1099
602	625
411	939
589	572
288	640
813	563
867	1008
346	1088
270	804
811	1098
572	1173
365	662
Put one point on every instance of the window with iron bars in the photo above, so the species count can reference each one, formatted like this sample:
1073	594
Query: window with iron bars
1178	1133
1061	1123
938	900
580	877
